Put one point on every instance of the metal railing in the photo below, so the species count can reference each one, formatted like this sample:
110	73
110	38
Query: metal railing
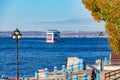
112	74
66	73
115	61
69	76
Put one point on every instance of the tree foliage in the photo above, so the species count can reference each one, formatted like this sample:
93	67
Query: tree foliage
109	12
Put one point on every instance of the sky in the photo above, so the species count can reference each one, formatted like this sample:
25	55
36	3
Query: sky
42	15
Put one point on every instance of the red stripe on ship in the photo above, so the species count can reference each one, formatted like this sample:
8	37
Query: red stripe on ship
49	38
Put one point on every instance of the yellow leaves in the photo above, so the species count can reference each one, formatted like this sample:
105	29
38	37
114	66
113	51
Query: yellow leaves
96	16
117	14
90	5
111	29
109	11
102	4
115	45
114	36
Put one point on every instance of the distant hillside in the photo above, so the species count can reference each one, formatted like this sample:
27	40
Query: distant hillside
71	34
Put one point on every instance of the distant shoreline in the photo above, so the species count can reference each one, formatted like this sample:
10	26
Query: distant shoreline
63	34
45	37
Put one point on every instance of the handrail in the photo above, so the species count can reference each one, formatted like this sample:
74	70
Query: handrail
115	61
67	67
111	74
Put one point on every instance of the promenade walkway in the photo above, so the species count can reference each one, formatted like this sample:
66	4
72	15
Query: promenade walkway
102	74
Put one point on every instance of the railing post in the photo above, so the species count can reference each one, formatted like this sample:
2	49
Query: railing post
84	65
85	77
75	77
67	75
110	62
36	74
97	75
105	76
119	71
106	61
71	68
46	73
81	64
70	76
25	78
115	73
63	69
55	71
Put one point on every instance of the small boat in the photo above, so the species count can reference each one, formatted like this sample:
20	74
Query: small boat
53	36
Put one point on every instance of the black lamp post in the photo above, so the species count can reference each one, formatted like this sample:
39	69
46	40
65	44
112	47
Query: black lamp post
16	36
101	36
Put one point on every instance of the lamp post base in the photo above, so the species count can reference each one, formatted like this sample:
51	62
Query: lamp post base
101	69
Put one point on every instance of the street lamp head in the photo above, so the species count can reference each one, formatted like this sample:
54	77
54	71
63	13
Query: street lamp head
19	36
17	31
101	35
16	35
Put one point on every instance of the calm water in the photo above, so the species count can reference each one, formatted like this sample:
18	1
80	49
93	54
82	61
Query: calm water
35	53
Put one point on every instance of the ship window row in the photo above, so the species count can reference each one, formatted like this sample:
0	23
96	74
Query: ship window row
49	35
55	35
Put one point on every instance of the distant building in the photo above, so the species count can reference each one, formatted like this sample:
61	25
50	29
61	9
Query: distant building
53	36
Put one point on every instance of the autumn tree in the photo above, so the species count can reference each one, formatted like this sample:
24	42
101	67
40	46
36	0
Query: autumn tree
109	12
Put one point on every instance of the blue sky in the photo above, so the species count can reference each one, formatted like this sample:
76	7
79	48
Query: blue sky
41	15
